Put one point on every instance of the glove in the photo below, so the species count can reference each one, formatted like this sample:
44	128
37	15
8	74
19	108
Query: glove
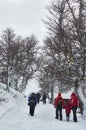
63	107
28	103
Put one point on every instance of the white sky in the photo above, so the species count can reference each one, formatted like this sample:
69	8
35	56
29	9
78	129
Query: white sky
14	115
24	16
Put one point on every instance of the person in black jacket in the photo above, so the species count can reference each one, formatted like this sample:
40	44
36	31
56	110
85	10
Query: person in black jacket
44	98
32	103
38	96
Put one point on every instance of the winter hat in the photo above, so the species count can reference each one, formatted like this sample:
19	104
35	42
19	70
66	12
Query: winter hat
73	94
59	94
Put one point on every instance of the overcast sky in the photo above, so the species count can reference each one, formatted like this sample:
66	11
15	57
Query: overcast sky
24	16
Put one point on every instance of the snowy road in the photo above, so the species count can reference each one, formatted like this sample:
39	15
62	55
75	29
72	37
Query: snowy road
17	118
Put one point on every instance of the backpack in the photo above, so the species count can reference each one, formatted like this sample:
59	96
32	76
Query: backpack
60	101
33	99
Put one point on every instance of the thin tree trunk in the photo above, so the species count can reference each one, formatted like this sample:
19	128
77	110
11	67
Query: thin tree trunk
80	101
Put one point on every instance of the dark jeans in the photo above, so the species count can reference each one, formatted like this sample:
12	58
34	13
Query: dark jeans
74	109
59	112
67	116
44	101
32	109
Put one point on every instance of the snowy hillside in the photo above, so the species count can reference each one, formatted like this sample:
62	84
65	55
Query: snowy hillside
14	115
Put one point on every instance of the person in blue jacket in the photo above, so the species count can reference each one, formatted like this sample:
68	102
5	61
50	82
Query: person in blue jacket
32	101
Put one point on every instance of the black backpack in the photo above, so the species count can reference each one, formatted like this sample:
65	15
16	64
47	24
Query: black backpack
33	99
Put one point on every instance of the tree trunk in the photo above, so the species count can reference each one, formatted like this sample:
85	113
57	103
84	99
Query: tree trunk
80	101
7	83
52	96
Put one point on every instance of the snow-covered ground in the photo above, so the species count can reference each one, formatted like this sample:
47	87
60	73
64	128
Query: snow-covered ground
14	115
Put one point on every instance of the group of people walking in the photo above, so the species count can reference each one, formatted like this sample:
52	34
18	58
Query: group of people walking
59	104
72	104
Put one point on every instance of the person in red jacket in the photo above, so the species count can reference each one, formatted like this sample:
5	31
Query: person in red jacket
74	101
68	110
58	104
